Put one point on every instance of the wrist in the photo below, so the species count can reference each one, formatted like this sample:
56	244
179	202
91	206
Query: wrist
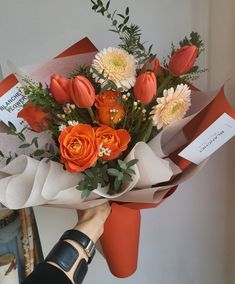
93	228
91	221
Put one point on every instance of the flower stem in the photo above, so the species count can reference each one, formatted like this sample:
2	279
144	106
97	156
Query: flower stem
164	84
91	114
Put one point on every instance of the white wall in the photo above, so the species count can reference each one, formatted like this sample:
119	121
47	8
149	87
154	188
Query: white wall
222	41
190	238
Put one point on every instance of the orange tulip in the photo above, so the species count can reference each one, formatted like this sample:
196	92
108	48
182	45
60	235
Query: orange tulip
183	60
59	89
37	119
145	87
105	103
151	65
82	92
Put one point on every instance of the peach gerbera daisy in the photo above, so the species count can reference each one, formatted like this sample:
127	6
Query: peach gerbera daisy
172	106
117	65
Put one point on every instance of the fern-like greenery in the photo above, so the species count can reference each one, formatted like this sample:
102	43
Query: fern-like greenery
129	34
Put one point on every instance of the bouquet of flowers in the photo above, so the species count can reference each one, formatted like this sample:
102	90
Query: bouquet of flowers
110	124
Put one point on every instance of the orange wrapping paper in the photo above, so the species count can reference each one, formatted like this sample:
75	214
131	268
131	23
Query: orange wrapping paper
117	244
120	240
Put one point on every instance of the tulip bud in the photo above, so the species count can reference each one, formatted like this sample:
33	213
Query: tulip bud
145	87
183	60
151	65
82	92
59	89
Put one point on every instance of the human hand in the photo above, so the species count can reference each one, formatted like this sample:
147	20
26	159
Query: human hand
91	221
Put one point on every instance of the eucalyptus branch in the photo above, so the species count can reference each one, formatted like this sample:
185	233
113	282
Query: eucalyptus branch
40	96
112	174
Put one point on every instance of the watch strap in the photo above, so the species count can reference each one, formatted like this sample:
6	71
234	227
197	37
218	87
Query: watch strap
64	255
81	239
80	272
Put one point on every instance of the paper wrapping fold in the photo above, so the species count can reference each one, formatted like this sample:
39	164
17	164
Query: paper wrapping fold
26	182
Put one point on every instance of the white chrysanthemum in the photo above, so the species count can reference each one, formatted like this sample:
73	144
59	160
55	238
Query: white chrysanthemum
172	106
117	65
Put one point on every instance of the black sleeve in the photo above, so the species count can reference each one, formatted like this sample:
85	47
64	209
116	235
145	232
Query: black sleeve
45	273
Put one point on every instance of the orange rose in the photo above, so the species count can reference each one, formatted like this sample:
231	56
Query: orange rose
78	147
108	110
112	141
37	119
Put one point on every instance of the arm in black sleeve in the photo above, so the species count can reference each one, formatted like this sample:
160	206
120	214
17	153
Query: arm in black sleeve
47	274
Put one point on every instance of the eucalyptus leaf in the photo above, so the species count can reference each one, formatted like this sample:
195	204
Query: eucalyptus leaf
89	173
132	162
12	126
85	193
21	136
113	172
38	152
126	177
8	160
122	164
34	140
24	145
130	171
120	176
117	184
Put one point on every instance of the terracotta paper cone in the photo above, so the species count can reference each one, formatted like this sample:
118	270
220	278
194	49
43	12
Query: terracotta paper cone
120	240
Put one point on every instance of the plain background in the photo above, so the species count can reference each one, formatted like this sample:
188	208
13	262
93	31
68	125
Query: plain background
190	239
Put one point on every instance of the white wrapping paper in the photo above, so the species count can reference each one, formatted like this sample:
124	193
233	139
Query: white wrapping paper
26	182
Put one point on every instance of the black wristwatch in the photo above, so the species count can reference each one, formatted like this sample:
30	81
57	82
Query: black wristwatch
81	239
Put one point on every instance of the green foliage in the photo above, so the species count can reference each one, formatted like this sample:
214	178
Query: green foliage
129	35
8	158
112	174
193	75
33	142
106	83
147	130
86	71
93	177
40	96
48	151
122	172
194	39
13	131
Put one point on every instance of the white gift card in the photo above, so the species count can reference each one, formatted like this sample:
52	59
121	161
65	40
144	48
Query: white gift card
10	105
217	134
